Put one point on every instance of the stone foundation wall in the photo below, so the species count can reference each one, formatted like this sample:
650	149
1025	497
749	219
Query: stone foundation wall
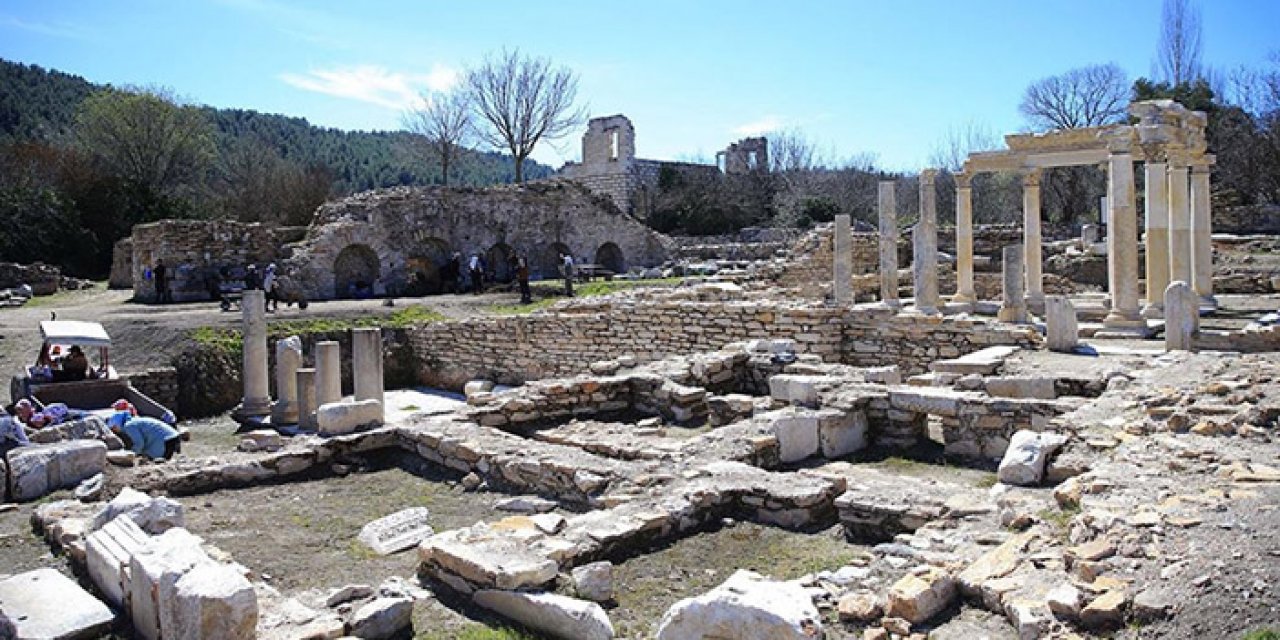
194	251
813	267
121	264
159	384
43	278
516	349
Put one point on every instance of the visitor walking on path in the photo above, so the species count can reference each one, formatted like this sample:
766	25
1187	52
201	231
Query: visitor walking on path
161	279
476	267
522	277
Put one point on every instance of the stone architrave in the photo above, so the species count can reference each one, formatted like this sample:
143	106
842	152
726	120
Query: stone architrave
842	259
1060	323
1179	221
1157	236
257	395
925	242
1032	243
1122	229
328	372
1181	316
288	359
888	205
397	532
1013	307
1202	234
964	240
307	399
366	365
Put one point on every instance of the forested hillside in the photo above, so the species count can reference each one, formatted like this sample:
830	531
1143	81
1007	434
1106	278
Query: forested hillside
60	189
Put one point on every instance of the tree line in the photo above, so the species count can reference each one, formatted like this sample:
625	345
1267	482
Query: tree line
81	164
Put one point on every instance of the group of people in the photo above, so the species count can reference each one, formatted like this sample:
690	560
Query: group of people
475	274
267	281
55	366
155	439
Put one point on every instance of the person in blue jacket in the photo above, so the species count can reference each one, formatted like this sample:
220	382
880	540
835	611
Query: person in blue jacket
147	436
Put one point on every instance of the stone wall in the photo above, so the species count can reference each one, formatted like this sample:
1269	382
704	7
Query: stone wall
121	264
380	238
43	278
159	384
194	251
512	350
812	266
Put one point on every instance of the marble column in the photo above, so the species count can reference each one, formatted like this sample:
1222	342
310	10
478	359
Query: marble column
964	240
288	359
306	382
1179	222
257	396
1013	306
888	204
924	261
1122	228
1202	234
328	372
1157	236
842	261
366	366
1032	242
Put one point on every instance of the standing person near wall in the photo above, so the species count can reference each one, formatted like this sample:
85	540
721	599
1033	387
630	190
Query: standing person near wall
161	276
252	280
476	267
522	277
566	270
271	301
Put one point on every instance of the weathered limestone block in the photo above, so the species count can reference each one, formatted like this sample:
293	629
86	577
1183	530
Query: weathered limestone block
46	604
796	431
39	469
983	362
1181	316
398	531
214	602
917	598
555	615
747	606
382	618
1021	387
594	581
799	390
1024	460
307	398
107	557
337	418
486	559
1061	325
841	432
153	515
328	372
154	572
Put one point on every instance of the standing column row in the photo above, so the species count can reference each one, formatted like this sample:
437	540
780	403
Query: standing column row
1202	234
925	242
1157	237
888	203
964	240
1122	223
1032	242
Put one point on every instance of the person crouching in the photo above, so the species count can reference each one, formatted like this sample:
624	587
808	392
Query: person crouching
146	436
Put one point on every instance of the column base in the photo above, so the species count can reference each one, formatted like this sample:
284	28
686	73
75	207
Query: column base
1208	304
251	408
1016	315
927	311
1153	311
1035	302
964	297
893	305
283	412
1124	325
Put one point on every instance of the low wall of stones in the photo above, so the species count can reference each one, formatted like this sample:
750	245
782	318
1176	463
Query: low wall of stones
813	263
159	384
121	264
194	252
513	350
42	278
1252	339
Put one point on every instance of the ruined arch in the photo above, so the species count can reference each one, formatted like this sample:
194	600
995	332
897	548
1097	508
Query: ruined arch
498	262
609	256
355	271
548	260
428	267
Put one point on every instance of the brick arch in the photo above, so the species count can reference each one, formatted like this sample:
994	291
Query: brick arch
610	256
355	271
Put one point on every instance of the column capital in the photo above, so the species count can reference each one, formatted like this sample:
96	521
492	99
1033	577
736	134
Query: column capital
928	176
1155	153
1031	177
964	180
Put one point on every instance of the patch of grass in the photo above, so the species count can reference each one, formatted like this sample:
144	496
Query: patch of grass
475	631
1261	634
230	340
410	407
1060	519
359	551
585	290
987	481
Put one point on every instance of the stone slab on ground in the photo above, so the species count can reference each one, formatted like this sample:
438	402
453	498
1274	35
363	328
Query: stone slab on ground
1024	460
555	615
382	618
46	604
398	531
983	362
485	558
338	418
39	469
747	606
107	556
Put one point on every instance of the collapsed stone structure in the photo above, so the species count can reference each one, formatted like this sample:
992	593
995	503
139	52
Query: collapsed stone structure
610	167
376	241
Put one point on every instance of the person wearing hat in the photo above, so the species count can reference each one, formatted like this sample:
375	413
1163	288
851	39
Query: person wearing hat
271	301
147	436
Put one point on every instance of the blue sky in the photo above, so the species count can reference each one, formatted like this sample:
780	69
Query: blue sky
888	78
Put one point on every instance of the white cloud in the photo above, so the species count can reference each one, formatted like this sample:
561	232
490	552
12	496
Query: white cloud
375	84
758	127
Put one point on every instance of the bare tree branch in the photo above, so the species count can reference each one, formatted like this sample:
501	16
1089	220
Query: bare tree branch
1178	56
1084	97
444	124
520	101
